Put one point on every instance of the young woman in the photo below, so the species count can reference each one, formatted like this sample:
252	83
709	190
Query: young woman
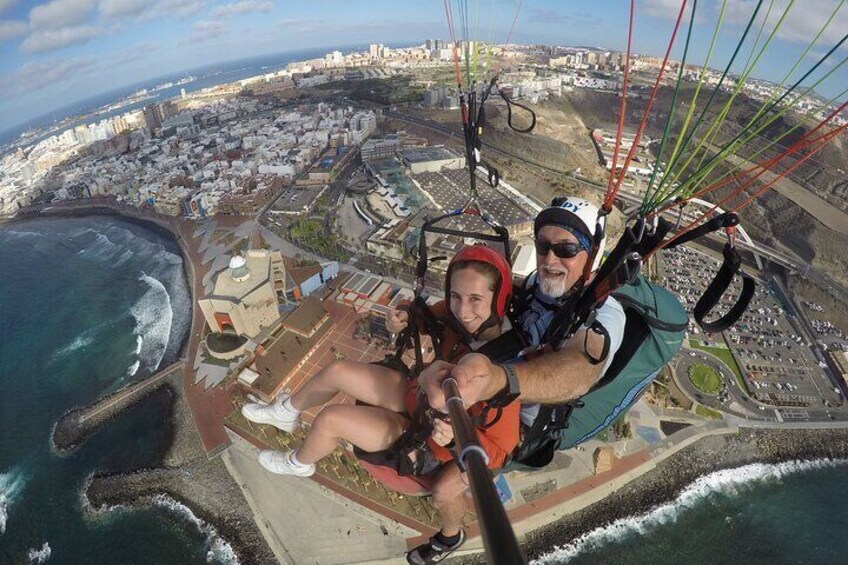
478	288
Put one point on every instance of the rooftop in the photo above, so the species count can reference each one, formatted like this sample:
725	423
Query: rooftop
257	262
429	153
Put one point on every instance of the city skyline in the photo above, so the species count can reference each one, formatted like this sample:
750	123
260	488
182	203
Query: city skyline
65	51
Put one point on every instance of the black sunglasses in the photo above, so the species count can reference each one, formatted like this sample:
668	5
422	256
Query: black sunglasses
561	250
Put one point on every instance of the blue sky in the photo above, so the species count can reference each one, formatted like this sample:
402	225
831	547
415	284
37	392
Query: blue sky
56	52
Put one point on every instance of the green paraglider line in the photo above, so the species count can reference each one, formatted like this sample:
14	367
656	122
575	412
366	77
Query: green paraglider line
692	103
665	178
673	100
698	175
780	85
804	142
750	64
643	124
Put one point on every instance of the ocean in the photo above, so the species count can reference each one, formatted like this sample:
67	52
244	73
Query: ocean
88	305
792	512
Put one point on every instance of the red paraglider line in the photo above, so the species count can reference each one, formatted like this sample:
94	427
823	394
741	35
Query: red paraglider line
611	194
819	142
803	142
623	105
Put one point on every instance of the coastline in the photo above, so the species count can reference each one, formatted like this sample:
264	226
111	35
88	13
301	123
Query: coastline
185	475
209	491
663	483
181	474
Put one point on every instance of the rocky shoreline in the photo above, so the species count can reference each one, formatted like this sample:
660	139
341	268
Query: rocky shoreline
665	482
187	476
76	425
180	479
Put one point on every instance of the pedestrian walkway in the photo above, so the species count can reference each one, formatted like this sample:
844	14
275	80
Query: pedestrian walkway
305	522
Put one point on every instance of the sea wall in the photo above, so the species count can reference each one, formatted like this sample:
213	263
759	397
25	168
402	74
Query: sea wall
77	424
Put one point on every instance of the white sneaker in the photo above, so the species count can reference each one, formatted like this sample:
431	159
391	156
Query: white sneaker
280	462
274	414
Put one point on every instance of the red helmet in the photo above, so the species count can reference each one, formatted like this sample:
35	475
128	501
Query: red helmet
503	288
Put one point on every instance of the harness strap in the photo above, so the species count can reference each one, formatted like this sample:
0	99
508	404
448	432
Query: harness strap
716	289
724	220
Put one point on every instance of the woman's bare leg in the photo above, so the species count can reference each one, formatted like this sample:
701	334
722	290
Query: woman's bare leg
372	384
367	427
449	498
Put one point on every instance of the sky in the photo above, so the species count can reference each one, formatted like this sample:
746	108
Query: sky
57	52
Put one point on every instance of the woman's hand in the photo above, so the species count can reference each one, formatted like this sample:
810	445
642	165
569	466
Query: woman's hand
397	321
442	432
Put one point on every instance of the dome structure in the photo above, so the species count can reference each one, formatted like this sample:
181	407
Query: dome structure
238	269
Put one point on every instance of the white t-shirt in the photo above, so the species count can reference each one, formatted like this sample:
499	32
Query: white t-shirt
536	319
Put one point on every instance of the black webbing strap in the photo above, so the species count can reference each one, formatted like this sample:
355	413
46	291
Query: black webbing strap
598	328
717	287
421	319
724	220
539	442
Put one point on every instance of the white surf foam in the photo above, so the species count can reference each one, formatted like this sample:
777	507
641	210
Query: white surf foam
11	485
133	369
728	482
81	341
218	550
36	556
153	316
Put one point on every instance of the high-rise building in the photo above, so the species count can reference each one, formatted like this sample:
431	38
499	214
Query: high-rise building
152	118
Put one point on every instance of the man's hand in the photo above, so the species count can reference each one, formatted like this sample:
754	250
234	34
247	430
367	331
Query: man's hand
397	321
476	378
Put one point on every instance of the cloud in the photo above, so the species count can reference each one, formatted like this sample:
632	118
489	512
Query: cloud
572	17
241	8
61	13
121	8
6	4
137	52
181	8
54	39
12	28
35	76
205	30
801	24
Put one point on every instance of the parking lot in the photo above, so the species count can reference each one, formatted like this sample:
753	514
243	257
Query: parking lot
777	365
296	199
450	189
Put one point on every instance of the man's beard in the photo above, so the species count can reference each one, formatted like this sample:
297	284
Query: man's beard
556	287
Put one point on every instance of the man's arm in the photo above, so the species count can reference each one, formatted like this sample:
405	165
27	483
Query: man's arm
552	378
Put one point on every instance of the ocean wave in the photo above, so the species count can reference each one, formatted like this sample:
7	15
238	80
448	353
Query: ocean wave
153	315
133	369
81	341
218	550
11	485
36	556
20	234
727	482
